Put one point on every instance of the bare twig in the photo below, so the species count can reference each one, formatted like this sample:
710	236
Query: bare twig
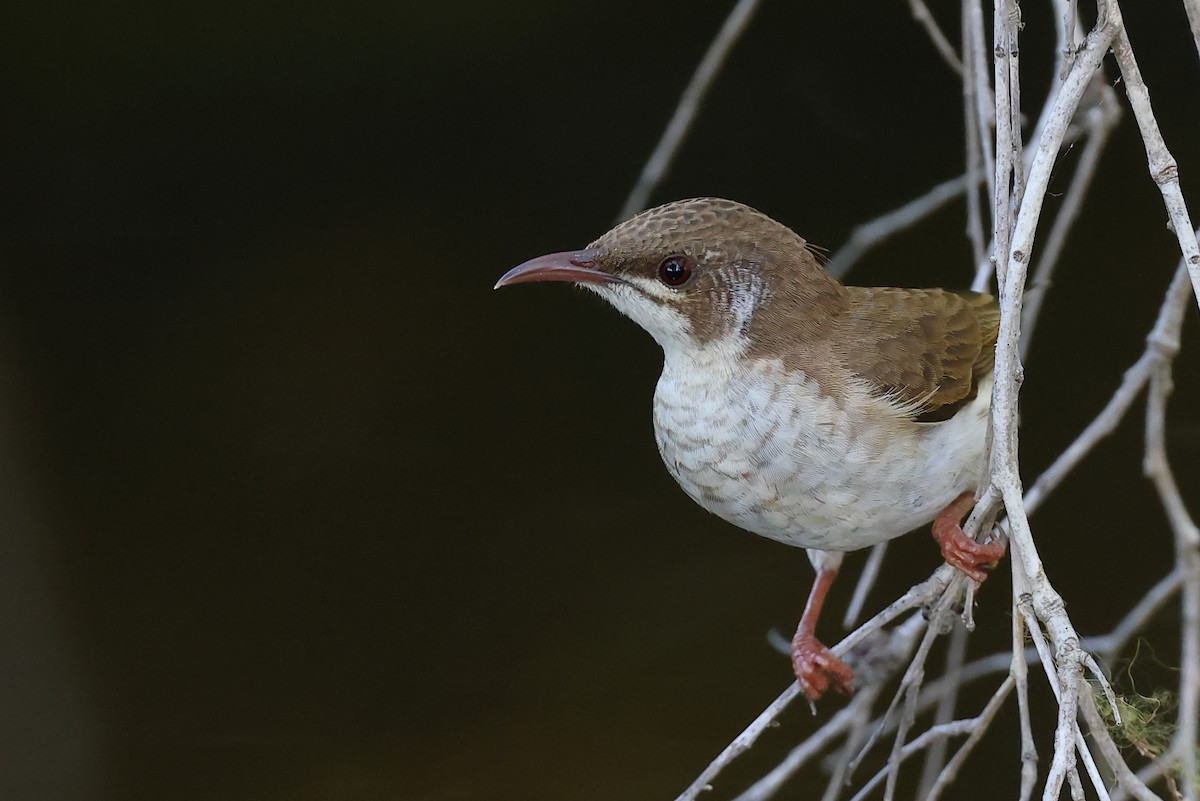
1044	605
1148	775
982	724
910	684
1187	545
922	15
866	580
1163	168
1193	14
751	734
1012	26
857	734
898	646
689	106
1018	182
1136	377
872	233
1019	670
939	733
813	745
1006	165
917	596
1108	645
976	97
1100	121
935	757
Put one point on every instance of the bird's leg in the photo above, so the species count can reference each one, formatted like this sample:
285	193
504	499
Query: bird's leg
973	558
816	668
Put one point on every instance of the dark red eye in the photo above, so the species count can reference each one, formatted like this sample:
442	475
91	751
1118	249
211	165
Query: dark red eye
675	270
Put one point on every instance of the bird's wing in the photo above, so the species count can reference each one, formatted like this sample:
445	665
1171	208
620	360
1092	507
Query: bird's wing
924	349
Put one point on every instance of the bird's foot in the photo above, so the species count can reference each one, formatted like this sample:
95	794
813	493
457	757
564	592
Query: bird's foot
974	559
818	670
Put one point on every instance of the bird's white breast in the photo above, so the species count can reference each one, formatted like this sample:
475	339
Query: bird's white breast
766	450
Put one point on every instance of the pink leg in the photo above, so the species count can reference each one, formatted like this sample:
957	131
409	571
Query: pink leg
816	668
973	558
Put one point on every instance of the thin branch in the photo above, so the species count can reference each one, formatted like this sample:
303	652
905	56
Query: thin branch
982	724
910	684
1193	14
1019	670
869	234
813	745
1163	168
980	165
933	736
689	106
898	646
858	733
1029	580
1063	679
1109	645
1105	423
922	15
1038	609
1169	320
749	736
1013	24
1187	547
866	580
1093	772
935	758
1100	121
1148	775
917	596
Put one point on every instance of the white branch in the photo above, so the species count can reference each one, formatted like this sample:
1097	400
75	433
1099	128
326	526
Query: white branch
977	97
689	106
935	759
922	15
1187	551
866	580
872	233
1099	122
1018	180
1029	579
1163	168
1193	14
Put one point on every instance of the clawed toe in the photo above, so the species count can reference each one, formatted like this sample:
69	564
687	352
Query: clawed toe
974	559
817	670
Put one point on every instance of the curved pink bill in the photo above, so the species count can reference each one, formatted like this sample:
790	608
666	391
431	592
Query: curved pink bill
576	266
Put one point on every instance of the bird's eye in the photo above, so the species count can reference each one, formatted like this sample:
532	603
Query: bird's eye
675	270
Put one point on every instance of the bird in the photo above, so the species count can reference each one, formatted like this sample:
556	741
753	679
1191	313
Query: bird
824	416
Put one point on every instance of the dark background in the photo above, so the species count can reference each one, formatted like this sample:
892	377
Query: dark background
293	506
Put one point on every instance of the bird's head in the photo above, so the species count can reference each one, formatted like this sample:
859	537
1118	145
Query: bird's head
701	271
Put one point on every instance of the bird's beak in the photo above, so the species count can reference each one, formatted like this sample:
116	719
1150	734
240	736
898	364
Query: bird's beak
577	266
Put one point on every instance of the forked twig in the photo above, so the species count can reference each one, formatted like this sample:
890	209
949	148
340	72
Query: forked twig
1017	182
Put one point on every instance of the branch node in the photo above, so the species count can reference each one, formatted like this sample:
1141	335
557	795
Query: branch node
1164	346
1168	174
